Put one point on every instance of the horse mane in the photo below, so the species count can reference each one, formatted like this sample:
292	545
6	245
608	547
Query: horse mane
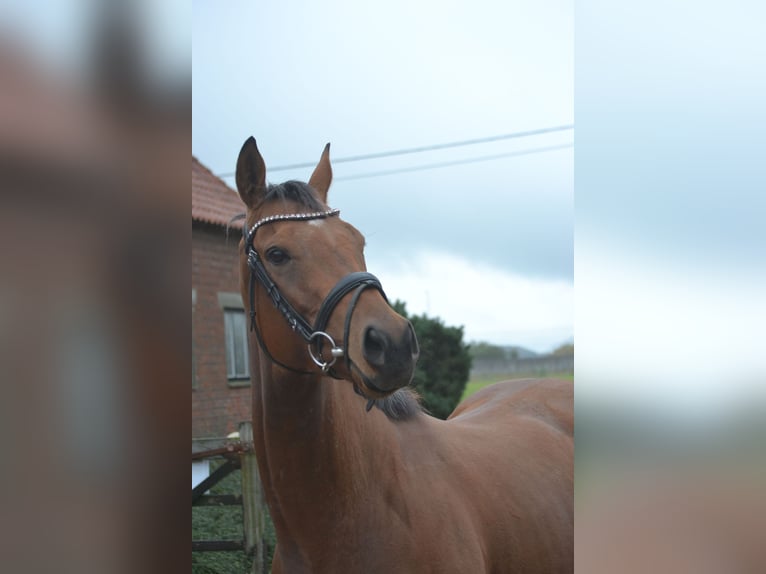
402	405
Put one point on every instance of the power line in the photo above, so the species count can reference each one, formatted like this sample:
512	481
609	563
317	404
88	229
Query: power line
420	149
454	162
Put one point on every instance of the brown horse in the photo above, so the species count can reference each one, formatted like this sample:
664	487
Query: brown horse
355	489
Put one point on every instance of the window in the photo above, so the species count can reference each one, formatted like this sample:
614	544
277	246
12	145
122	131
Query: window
235	333
237	359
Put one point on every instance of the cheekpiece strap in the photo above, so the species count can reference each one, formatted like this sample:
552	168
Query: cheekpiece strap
258	271
293	318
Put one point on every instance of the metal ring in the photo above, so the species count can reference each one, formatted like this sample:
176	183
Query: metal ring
335	351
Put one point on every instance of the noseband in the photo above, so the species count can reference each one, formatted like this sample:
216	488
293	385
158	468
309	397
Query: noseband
314	335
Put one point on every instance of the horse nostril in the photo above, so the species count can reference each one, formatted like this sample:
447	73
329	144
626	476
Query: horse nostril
375	347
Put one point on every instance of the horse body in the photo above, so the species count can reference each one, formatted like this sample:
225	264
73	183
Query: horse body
501	480
351	489
516	439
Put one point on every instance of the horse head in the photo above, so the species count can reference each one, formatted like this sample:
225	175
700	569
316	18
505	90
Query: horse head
313	306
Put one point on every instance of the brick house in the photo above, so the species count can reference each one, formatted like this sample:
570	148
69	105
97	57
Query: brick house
220	370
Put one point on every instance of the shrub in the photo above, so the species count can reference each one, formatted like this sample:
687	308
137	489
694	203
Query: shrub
444	365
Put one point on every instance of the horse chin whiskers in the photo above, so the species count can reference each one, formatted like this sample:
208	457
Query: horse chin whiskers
365	388
368	389
370	402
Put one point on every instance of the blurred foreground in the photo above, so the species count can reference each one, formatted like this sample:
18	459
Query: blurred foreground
658	493
94	153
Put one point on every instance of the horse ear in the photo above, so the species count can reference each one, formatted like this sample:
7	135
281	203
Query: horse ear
322	177
251	173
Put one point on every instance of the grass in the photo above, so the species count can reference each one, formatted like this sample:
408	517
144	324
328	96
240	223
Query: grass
210	522
479	383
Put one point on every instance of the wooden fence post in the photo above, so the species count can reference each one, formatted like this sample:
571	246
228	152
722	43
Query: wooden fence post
253	517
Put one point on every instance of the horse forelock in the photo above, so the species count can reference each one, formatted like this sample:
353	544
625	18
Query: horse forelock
295	191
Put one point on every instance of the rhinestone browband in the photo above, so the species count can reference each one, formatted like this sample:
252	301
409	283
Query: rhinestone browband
291	217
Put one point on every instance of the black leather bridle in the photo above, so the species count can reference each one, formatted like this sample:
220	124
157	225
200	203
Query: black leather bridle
314	335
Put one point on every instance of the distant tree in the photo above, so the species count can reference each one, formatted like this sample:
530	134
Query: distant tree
481	350
444	364
565	350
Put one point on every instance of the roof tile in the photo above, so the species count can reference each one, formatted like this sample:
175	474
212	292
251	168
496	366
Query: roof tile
212	200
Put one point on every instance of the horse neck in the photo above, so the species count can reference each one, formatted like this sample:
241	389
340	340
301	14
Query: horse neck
317	448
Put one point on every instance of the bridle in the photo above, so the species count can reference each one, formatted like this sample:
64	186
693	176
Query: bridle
314	335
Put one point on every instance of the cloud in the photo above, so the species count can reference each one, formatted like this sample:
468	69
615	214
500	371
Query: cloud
651	328
492	304
516	214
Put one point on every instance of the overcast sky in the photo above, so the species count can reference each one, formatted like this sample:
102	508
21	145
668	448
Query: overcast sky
670	196
487	244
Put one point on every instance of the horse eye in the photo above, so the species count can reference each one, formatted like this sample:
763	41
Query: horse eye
277	256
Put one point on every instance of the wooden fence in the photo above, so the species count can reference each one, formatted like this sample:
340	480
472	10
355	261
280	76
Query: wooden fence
536	366
237	455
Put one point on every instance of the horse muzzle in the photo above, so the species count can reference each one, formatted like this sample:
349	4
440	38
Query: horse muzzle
390	355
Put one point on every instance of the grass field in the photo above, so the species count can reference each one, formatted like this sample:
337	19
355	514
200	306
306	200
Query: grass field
481	382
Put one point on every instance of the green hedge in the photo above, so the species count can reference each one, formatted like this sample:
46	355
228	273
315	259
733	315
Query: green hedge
444	365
